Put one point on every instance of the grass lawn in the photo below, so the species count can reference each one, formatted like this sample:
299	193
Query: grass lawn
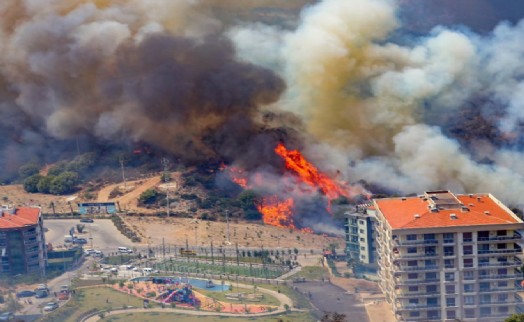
90	299
311	273
168	317
221	296
299	300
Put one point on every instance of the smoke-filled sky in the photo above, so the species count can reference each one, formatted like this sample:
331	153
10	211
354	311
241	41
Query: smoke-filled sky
369	87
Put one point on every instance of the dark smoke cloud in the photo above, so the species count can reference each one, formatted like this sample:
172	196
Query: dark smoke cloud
157	72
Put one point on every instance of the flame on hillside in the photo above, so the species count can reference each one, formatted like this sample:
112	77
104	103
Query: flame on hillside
277	210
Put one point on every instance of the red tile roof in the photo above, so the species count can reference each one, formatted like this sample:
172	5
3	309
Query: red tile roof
23	216
414	212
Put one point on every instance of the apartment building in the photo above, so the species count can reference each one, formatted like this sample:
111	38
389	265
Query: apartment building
360	235
22	241
447	257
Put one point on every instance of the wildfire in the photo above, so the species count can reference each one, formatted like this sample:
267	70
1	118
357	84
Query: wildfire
309	174
277	210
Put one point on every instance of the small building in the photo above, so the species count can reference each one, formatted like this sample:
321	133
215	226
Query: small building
22	242
360	237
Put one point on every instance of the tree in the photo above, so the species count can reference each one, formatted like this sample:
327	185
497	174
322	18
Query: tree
57	168
44	184
148	197
28	170
31	183
515	318
64	183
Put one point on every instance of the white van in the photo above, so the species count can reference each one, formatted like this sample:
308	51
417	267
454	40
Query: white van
68	239
147	270
123	250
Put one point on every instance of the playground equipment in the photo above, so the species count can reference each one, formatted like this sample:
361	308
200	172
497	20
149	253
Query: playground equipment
180	293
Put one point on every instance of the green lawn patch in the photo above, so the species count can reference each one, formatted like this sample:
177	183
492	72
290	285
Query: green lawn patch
311	273
221	296
169	317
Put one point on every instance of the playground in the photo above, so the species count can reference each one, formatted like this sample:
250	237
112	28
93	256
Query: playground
183	293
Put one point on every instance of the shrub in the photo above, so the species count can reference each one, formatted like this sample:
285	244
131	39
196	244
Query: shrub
28	170
31	183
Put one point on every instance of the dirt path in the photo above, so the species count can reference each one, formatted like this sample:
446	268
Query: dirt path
129	200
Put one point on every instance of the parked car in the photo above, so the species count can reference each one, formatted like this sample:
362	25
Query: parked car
25	294
79	241
41	294
42	287
89	220
51	306
7	316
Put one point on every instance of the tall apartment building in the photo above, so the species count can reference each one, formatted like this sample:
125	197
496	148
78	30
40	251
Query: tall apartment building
360	235
446	257
22	241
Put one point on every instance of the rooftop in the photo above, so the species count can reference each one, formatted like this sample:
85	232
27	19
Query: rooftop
445	209
20	217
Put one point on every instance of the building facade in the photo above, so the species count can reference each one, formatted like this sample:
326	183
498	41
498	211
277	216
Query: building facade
22	242
446	257
360	235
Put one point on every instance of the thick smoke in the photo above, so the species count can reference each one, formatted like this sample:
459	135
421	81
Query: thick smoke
374	101
157	71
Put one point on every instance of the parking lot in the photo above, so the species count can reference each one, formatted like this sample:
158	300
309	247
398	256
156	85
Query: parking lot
101	234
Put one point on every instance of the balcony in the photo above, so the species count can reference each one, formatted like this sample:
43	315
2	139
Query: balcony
496	290
497	302
409	307
417	268
496	277
416	282
499	251
416	294
416	242
498	238
499	264
417	255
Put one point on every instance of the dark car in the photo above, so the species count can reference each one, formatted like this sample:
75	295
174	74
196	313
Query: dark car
25	294
86	220
79	241
41	294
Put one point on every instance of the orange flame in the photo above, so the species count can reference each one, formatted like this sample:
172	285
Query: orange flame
309	174
277	212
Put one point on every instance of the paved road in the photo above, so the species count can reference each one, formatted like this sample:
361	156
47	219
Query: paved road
327	297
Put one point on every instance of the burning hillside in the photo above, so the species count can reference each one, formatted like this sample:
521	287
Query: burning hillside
301	180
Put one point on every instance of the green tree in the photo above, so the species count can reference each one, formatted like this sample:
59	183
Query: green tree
515	318
57	168
31	183
148	197
28	170
64	183
82	162
44	184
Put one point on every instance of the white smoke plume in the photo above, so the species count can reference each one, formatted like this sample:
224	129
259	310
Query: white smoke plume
375	101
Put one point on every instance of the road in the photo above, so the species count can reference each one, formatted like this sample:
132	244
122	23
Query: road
327	297
103	232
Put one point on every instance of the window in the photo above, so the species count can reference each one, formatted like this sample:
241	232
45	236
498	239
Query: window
430	262
502	298
469	300
484	286
467	237
449	277
431	276
448	237
485	298
412	250
502	284
362	239
411	237
449	250
450	289
483	272
469	275
450	301
502	271
483	261
483	235
412	263
412	276
502	246
451	315
354	230
469	313
430	250
431	289
485	311
449	263
429	237
413	301
468	249
468	262
501	233
414	314
361	231
361	222
432	301
353	221
503	309
469	288
433	314
362	248
413	289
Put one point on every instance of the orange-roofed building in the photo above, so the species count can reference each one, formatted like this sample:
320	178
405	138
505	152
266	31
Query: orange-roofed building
447	257
22	241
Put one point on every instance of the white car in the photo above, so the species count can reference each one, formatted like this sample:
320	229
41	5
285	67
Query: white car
113	270
51	307
135	269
